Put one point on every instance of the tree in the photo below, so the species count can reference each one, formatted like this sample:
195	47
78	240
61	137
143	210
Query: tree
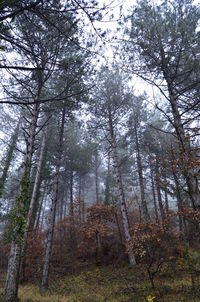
44	46
165	40
137	121
112	103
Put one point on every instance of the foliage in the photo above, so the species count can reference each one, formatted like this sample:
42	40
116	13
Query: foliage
97	229
154	245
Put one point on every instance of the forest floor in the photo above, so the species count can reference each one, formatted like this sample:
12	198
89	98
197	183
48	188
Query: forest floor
111	284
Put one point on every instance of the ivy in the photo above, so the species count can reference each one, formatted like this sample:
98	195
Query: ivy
19	213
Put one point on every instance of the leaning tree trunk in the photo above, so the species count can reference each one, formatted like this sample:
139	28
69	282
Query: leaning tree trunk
8	159
186	164
19	216
49	239
121	192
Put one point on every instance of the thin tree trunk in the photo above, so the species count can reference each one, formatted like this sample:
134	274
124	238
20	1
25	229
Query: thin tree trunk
61	210
71	208
182	220
33	200
41	224
121	192
49	239
65	205
8	160
37	220
165	187
157	180
71	213
153	189
140	173
96	176
83	200
79	198
107	189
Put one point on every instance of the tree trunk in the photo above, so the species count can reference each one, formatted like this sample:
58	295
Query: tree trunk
107	200
9	156
182	220
41	224
71	208
153	189
184	152
96	176
140	173
83	200
165	187
33	200
71	213
157	180
12	278
121	192
42	201
79	198
49	239
183	141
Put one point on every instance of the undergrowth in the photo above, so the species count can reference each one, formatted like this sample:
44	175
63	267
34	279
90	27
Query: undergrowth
110	284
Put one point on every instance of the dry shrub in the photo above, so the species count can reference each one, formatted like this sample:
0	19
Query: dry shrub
99	235
154	244
34	256
64	251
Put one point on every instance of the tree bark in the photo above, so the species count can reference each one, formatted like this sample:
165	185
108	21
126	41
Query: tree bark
96	176
140	173
12	278
9	156
165	187
157	180
42	201
71	208
153	189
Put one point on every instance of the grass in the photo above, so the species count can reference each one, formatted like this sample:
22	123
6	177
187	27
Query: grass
110	284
